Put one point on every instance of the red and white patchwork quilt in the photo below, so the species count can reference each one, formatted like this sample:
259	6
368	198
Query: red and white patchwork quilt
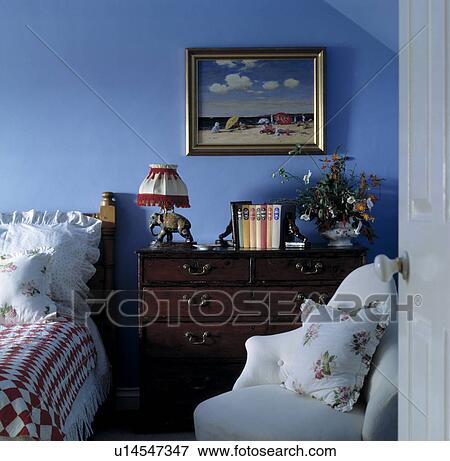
42	368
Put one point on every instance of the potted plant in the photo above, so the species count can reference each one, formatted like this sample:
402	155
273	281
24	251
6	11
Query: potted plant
340	201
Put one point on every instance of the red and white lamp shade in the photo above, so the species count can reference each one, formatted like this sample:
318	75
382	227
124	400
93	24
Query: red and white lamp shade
163	187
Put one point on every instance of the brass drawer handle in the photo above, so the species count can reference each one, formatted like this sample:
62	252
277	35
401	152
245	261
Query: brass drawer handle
193	339
323	298
194	271
188	299
204	300
306	269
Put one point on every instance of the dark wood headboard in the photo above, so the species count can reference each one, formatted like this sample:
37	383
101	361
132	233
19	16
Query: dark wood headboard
102	284
104	278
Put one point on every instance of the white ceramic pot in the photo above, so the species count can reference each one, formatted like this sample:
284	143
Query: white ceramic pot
341	235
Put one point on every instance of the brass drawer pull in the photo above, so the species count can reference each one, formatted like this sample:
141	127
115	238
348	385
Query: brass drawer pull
309	269
194	271
193	339
323	298
188	299
204	300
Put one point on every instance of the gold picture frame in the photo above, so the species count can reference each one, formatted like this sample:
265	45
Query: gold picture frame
254	101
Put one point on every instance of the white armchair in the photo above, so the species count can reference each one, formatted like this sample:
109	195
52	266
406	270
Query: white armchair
259	408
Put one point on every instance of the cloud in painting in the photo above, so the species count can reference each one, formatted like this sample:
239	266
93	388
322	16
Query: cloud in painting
271	85
235	82
226	62
291	83
249	64
218	88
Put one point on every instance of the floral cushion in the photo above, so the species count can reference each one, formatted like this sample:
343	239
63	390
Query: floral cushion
24	287
335	354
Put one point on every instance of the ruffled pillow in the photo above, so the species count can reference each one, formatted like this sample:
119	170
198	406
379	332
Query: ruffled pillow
75	239
24	287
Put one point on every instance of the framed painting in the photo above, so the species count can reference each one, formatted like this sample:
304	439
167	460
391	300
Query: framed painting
260	101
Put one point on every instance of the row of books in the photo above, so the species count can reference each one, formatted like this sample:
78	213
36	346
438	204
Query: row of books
260	226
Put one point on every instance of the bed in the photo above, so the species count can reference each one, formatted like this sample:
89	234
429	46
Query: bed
54	375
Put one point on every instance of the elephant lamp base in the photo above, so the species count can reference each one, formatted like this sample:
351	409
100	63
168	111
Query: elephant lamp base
169	224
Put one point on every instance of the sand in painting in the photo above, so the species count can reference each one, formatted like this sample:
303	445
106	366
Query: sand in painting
253	135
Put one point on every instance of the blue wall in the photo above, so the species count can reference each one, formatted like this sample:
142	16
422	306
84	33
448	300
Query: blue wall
77	112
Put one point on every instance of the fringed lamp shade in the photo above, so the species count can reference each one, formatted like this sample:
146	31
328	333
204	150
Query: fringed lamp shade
163	187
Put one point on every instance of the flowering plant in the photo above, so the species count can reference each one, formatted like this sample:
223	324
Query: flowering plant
338	196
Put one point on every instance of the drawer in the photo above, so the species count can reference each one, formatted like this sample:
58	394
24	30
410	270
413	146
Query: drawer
190	341
193	381
304	269
170	392
234	305
172	305
200	270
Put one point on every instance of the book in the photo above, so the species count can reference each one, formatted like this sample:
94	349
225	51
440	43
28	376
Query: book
236	210
276	226
258	227
252	226
263	235
246	226
269	226
240	225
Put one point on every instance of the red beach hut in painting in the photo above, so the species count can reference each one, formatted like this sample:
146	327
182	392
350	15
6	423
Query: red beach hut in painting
283	119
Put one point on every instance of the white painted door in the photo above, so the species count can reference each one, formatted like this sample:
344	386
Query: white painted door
424	360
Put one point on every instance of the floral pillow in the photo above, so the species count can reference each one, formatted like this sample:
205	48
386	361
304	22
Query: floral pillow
24	287
334	355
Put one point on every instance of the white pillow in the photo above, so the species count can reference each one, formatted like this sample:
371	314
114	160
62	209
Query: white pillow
75	238
334	357
24	288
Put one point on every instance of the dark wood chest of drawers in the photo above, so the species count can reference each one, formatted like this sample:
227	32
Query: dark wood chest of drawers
198	308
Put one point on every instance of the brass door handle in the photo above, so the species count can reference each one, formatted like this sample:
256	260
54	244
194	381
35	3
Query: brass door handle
194	271
309	269
194	339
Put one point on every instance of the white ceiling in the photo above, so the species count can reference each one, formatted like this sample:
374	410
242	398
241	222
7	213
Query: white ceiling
378	18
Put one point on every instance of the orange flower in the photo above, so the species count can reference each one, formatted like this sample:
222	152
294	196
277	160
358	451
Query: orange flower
335	157
365	216
360	207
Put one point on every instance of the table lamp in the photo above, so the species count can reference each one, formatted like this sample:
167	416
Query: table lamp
163	187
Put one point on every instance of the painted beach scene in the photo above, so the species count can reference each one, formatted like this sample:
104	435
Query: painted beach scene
255	101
